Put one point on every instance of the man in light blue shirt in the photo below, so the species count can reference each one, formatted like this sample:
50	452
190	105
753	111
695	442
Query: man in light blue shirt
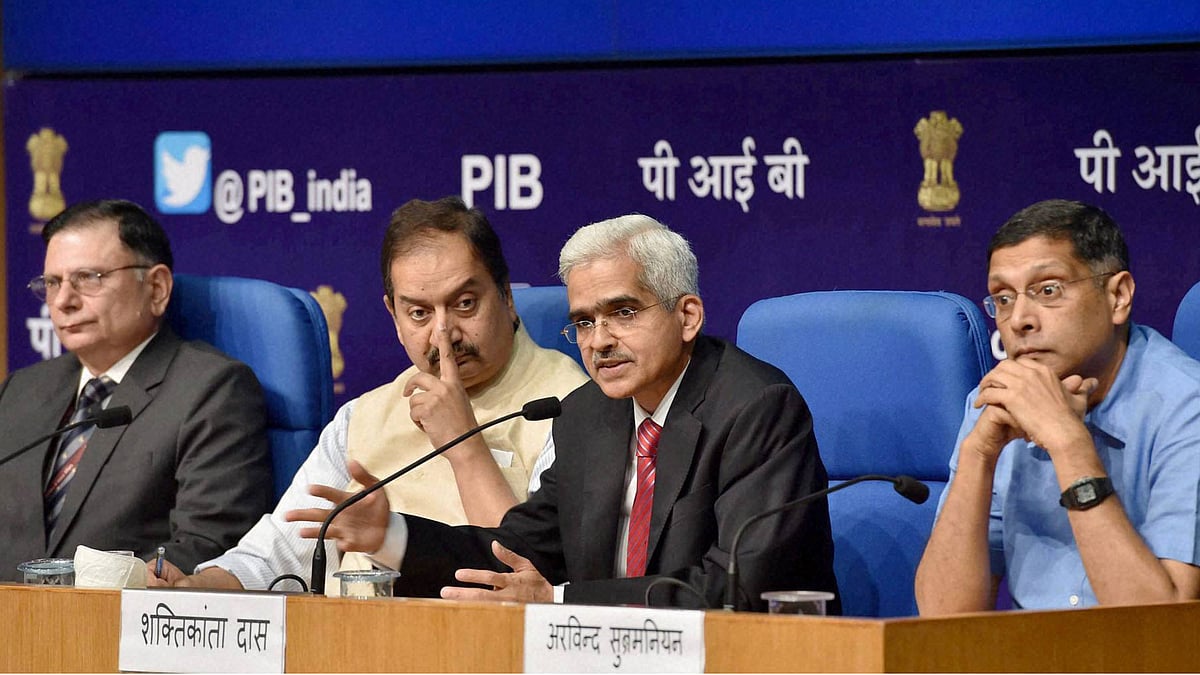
1077	469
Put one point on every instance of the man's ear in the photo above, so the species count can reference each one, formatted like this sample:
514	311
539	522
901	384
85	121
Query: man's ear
1120	288
507	296
391	308
160	281
690	309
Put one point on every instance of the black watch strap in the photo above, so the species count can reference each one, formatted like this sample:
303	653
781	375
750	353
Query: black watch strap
1086	492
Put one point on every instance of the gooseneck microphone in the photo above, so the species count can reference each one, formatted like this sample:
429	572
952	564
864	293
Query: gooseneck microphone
910	488
541	409
103	419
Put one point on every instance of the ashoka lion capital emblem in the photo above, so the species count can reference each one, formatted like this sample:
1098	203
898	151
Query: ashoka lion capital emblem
333	306
46	149
939	144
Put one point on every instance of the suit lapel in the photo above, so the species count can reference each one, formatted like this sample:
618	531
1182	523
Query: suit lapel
136	391
51	407
56	397
51	397
680	440
604	480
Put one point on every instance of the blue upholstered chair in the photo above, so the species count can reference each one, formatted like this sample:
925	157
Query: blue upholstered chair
543	311
281	334
1186	331
886	374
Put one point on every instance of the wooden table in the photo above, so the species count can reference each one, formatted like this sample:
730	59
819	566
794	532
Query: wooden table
77	630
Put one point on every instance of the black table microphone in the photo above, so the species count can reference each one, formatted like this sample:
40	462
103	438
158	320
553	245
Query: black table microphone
912	489
103	419
541	409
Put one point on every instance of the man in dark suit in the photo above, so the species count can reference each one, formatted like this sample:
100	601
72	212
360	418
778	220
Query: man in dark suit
677	441
191	472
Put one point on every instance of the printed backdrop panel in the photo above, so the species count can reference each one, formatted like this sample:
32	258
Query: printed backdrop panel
122	36
786	177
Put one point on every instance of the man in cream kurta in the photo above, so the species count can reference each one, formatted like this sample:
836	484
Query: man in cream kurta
375	429
447	291
383	438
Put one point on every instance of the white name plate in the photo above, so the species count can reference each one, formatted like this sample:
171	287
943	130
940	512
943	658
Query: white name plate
174	631
587	639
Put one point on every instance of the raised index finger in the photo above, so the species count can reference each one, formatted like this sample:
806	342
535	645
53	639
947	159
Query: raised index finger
447	366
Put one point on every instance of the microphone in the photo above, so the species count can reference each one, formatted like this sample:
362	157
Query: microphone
115	417
541	409
910	488
103	419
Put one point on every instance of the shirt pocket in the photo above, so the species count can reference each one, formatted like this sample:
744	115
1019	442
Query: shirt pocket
504	458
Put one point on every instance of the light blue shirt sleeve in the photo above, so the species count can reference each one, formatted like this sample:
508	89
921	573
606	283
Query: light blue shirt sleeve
996	519
1146	433
1164	504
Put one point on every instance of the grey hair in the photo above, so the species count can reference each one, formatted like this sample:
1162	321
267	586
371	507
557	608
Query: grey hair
667	265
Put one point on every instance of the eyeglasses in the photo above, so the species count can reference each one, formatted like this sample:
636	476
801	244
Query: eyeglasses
618	322
85	282
1046	294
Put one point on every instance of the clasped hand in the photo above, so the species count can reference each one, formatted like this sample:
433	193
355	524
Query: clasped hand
1026	399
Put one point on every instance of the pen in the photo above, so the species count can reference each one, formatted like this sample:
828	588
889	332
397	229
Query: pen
162	552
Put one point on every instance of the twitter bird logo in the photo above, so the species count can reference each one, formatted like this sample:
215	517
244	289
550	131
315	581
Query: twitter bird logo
183	172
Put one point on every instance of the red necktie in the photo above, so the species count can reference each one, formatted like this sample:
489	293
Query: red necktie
643	501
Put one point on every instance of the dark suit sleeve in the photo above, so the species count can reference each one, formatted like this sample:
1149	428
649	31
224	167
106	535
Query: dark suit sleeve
222	466
767	456
435	550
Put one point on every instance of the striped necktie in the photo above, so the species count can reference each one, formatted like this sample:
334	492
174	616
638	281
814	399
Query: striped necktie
71	446
643	501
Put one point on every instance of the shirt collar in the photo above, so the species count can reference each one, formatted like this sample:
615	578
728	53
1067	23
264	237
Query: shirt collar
1107	417
118	370
664	406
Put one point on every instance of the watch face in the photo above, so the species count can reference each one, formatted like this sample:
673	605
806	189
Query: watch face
1085	493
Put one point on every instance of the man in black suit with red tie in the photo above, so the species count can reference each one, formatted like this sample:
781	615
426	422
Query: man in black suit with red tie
677	440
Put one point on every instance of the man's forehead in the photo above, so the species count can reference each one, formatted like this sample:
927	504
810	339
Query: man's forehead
620	299
436	243
96	228
1031	269
447	261
604	282
413	291
86	244
1032	257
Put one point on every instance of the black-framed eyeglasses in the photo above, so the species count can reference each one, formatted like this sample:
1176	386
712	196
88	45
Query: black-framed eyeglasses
1046	294
618	322
85	282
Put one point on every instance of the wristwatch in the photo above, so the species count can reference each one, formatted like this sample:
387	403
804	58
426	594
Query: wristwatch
1086	492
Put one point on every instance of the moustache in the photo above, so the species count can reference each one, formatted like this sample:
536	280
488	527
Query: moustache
460	349
598	358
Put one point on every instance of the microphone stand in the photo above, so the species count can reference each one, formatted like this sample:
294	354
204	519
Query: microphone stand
106	418
910	488
540	409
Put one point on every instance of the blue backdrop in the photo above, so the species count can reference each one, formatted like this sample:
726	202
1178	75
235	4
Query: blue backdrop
134	35
300	172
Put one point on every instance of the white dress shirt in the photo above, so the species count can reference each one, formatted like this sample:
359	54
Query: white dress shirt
116	372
